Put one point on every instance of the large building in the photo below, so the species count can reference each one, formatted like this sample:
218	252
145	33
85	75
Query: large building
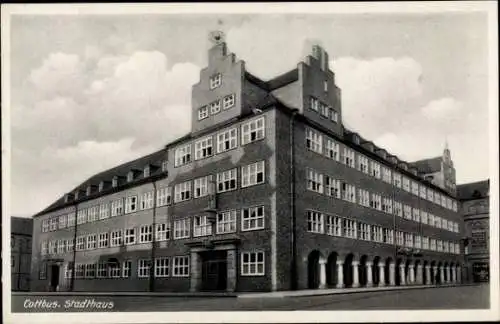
267	192
474	198
20	253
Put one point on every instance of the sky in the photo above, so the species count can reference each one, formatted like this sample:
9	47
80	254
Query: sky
89	92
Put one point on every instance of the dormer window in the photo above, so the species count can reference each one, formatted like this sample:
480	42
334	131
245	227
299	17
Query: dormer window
130	176
89	190
215	81
67	197
147	171
356	139
164	166
114	183
404	166
101	186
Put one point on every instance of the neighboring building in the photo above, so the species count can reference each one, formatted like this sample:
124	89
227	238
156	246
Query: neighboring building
20	252
439	171
475	203
267	192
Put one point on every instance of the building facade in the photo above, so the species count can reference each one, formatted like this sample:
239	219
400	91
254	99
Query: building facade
267	192
20	253
474	198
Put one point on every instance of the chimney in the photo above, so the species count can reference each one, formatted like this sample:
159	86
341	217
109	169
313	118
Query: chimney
321	55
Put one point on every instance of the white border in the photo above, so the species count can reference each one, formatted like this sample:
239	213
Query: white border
272	8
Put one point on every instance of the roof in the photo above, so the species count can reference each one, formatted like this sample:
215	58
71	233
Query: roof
428	165
275	83
155	158
21	225
473	190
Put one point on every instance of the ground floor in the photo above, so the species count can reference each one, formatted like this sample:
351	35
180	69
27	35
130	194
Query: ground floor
478	267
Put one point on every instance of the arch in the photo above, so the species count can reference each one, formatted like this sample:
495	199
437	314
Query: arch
363	275
433	272
376	270
331	269
424	272
407	272
398	272
445	275
387	270
348	278
313	269
417	263
438	272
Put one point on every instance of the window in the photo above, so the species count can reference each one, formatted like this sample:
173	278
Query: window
68	270
92	213
90	270
79	270
162	232
314	181
71	219
398	208
375	169
414	188
449	204
202	112
364	232
252	131
61	246
376	201
147	200
129	236
215	107
334	115
145	233
439	245
349	227
201	186
70	244
116	207
147	171
407	211
228	101
431	220
63	221
437	198
127	264
416	214
114	182
45	225
143	266
423	217
202	227
406	184
116	238
183	191
430	195
377	234
386	175
332	187
103	240
53	223
91	241
315	222
114	270
314	104
182	228
399	238
203	148
44	248
130	204
215	81
314	141
455	228
226	180
227	140
408	240
252	174
425	243
252	218
52	247
423	192
332	149
388	236
437	221
387	205
363	197
80	243
164	196
102	271
181	266
333	225
162	267
324	110
348	157
396	179
348	192
433	245
183	155
363	163
252	263
103	211
164	166
454	206
226	222
42	271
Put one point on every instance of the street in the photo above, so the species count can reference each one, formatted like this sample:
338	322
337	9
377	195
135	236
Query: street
466	297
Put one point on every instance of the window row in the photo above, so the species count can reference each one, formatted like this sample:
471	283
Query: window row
322	223
325	184
215	107
225	140
324	145
323	109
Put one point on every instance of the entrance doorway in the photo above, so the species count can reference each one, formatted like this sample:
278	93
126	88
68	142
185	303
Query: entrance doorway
214	270
54	277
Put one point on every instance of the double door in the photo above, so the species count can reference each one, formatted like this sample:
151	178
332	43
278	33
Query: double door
214	270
